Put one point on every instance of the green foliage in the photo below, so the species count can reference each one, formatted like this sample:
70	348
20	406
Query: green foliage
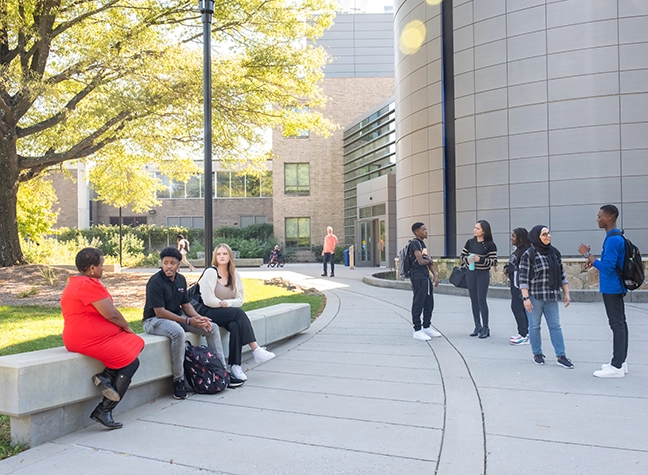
7	449
120	83
34	210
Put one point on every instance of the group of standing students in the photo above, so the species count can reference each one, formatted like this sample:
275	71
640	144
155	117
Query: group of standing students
537	277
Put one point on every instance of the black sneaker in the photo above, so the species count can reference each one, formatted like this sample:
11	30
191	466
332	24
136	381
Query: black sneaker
179	390
538	359
564	362
235	383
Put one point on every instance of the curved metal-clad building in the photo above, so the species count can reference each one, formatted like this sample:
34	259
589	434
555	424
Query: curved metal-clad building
522	112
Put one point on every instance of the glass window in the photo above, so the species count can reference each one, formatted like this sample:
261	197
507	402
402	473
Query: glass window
223	184
186	221
172	221
365	212
297	178
266	184
166	193
298	232
252	187
246	221
193	187
238	185
177	189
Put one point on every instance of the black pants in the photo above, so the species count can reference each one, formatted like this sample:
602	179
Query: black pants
615	309
517	307
329	256
478	281
423	301
237	323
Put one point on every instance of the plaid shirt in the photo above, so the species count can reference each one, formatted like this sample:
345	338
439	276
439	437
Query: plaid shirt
539	285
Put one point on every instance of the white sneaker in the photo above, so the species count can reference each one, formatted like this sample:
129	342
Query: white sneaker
431	332
624	367
261	355
237	372
421	335
516	337
609	371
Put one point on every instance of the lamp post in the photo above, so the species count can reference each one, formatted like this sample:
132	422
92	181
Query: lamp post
207	9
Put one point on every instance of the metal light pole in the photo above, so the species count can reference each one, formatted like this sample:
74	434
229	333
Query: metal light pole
207	9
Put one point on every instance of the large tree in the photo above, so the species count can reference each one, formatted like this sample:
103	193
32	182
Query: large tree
120	82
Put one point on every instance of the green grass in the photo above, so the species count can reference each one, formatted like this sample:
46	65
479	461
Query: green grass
32	328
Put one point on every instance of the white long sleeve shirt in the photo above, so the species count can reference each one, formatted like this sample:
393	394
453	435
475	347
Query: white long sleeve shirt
208	287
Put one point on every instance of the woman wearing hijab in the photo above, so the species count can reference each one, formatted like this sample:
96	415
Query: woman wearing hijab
542	275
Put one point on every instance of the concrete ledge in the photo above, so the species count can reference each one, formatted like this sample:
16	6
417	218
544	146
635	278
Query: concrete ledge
49	393
637	296
240	262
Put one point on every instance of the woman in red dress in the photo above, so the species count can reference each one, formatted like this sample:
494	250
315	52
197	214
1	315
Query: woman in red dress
94	327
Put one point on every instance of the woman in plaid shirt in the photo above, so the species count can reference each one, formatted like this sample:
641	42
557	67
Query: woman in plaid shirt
542	275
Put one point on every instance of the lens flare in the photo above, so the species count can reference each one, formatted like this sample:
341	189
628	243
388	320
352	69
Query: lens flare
412	37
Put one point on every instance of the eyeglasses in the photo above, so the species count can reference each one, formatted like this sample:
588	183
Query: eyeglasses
545	234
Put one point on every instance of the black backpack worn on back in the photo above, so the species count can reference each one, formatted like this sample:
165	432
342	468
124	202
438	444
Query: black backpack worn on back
632	275
204	371
405	262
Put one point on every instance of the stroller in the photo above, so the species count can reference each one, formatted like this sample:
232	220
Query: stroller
276	259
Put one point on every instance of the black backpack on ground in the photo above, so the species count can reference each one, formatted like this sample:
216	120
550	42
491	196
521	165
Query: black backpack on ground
632	275
204	371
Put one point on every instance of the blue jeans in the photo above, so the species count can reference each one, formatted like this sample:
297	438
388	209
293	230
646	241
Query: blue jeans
550	310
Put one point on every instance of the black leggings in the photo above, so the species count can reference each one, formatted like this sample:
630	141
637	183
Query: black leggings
478	281
517	307
237	323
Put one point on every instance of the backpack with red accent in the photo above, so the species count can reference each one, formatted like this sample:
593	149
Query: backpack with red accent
204	371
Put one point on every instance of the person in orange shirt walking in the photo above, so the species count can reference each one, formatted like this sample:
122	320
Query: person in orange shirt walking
328	252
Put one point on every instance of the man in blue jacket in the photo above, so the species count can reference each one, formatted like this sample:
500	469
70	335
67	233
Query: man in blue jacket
612	288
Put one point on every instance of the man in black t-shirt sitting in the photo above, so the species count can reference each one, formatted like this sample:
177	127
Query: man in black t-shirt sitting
167	312
423	299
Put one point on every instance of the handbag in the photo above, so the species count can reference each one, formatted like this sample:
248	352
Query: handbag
193	291
458	277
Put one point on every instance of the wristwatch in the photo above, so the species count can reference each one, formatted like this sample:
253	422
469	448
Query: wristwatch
586	255
525	298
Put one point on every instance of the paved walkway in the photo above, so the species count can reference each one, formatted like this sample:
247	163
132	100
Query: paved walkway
356	394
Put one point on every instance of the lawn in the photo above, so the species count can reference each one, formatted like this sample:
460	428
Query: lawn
24	329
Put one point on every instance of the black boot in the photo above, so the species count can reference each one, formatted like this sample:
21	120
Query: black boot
484	333
476	331
103	414
105	382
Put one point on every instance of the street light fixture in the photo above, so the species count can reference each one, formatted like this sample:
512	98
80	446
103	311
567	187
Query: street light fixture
207	9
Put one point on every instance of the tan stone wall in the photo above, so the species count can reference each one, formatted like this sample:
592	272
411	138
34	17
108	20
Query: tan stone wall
65	184
578	277
348	99
226	212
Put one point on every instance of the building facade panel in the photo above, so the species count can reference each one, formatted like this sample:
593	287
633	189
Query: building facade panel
558	125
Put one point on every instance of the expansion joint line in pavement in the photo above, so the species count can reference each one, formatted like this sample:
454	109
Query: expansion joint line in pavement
443	383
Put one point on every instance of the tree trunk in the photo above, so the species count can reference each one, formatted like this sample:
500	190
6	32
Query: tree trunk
10	251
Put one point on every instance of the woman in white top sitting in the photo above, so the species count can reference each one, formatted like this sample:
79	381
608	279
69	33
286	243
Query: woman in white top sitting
221	291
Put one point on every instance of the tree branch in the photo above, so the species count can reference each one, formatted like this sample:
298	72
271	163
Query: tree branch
63	114
84	148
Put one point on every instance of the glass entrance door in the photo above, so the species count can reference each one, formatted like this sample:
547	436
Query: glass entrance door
366	240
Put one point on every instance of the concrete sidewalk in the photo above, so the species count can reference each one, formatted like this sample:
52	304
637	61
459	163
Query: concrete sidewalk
356	394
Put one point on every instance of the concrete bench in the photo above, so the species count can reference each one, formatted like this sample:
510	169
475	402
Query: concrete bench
49	393
240	262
